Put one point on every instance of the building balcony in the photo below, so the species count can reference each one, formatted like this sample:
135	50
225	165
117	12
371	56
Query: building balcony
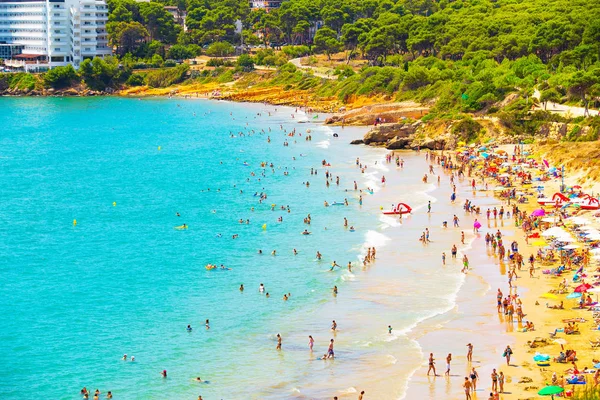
33	18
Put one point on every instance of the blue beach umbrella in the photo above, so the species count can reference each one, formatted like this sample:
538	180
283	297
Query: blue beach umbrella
574	295
485	155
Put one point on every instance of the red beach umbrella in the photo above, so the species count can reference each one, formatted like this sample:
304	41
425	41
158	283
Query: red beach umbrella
582	288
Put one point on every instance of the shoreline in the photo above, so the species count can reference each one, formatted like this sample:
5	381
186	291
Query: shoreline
467	310
475	316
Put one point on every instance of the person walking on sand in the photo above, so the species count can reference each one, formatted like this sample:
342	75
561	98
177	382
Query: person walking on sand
361	395
474	376
431	365
507	353
278	342
467	387
462	237
469	352
311	342
501	381
531	269
448	360
429	207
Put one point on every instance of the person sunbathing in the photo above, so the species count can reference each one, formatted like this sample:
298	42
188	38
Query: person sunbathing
561	306
571	329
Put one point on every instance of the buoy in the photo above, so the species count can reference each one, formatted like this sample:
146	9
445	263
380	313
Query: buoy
264	226
114	203
158	148
74	222
381	207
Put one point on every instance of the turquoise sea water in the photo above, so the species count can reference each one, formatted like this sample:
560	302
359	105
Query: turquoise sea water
74	299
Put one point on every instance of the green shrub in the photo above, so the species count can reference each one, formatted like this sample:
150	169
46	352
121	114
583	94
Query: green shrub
295	51
466	129
245	63
220	49
219	62
135	80
60	77
167	76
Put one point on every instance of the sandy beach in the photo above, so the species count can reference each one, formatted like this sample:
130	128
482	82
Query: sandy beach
475	319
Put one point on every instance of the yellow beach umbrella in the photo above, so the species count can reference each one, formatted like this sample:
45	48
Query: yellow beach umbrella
539	243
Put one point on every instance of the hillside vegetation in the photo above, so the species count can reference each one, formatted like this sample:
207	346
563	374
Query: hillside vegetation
459	57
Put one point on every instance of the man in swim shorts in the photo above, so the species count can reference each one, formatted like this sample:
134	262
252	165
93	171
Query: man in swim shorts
330	353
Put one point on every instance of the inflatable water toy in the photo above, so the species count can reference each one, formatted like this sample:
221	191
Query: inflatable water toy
543	363
557	199
210	266
335	203
180	227
399	209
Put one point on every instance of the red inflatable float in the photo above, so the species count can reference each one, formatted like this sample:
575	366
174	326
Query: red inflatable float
401	208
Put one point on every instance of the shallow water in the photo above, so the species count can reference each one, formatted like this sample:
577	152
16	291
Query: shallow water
74	299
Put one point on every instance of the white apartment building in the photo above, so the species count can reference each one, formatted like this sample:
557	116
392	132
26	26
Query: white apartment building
47	33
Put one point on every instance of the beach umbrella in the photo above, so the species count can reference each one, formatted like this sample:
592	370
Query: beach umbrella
562	342
566	239
595	251
551	391
549	296
570	247
574	295
476	225
548	219
582	288
485	155
578	220
555	231
539	243
597	365
538	213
